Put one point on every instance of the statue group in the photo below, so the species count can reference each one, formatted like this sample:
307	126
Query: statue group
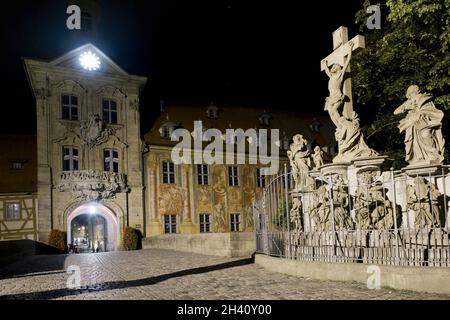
367	206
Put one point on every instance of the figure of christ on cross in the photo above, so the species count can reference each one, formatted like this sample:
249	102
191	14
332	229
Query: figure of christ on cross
335	85
337	68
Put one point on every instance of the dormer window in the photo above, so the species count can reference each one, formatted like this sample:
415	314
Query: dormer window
265	118
315	125
167	128
213	111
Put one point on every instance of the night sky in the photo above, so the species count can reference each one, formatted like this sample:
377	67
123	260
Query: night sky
246	52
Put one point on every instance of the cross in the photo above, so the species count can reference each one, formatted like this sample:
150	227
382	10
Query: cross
339	56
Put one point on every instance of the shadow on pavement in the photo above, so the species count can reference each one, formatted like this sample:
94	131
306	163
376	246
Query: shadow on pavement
112	285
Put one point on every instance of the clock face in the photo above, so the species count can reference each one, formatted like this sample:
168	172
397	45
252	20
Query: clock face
90	61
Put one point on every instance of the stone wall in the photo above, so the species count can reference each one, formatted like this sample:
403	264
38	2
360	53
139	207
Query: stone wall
396	277
239	244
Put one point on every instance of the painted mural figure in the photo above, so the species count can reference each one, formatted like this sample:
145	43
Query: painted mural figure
422	127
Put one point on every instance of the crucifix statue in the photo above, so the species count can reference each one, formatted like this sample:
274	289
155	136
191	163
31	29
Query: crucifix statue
339	102
337	67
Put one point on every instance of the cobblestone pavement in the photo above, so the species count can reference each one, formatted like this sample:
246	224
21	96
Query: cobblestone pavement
161	274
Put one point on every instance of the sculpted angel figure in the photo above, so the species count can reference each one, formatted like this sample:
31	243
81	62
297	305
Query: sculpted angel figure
299	157
422	125
317	157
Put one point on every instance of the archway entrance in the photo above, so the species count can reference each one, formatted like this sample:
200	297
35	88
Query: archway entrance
89	233
92	227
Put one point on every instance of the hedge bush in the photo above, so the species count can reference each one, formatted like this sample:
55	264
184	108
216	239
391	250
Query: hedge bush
58	240
130	238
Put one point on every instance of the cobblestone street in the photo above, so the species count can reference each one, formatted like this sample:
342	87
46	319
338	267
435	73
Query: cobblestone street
160	274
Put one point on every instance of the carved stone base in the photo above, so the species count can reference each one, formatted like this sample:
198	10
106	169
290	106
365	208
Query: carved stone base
425	170
335	168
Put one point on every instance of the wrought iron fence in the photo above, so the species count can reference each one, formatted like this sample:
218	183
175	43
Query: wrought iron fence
392	218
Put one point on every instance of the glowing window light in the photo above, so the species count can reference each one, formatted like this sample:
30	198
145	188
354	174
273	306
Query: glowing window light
89	61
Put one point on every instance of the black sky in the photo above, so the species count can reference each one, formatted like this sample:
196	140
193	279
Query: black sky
246	52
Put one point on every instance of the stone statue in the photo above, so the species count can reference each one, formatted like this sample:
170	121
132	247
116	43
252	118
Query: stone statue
299	157
348	133
317	157
296	214
422	126
336	74
422	198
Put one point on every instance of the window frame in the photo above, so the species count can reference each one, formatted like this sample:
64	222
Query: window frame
112	160
204	224
5	211
203	174
166	173
70	106
233	177
235	224
260	179
110	111
71	158
171	224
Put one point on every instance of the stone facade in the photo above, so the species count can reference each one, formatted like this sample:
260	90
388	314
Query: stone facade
70	108
188	197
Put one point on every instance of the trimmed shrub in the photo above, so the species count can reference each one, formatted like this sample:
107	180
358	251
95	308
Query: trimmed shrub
130	238
58	240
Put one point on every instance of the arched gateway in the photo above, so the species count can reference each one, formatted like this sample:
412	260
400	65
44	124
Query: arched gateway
93	227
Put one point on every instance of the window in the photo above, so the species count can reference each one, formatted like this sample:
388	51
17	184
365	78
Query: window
168	172
204	223
235	222
233	179
71	159
202	173
170	223
260	179
111	157
213	111
265	118
166	132
69	104
109	111
12	211
17	165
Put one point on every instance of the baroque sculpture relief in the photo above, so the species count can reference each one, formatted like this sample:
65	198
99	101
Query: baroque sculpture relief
94	131
423	200
422	126
92	185
372	208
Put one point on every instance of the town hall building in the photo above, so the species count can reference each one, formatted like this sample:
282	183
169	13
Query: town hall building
88	147
90	172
